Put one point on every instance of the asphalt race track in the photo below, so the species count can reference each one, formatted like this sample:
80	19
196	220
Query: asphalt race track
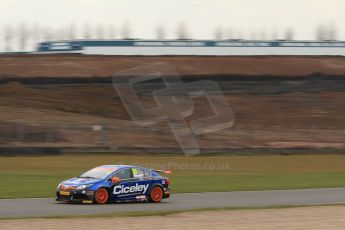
186	201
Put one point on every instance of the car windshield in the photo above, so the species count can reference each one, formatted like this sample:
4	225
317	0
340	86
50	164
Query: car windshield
98	173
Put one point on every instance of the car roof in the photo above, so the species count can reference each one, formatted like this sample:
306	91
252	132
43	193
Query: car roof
116	167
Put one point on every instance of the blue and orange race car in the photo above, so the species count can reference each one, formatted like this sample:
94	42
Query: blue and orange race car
115	183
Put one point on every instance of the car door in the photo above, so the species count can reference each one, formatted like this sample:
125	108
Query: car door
134	184
142	178
120	190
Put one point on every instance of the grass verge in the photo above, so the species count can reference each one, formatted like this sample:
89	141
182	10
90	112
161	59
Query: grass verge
38	176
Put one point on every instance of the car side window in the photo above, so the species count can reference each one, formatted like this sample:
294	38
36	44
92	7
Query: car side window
123	174
147	174
137	173
140	173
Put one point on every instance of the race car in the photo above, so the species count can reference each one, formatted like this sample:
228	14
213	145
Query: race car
115	183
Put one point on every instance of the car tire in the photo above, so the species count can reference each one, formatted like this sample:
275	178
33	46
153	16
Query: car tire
101	196
156	194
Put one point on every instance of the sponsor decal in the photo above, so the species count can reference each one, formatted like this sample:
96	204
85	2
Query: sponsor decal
137	173
121	189
87	201
64	193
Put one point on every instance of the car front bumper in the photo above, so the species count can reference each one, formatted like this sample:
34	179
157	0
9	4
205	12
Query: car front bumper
75	196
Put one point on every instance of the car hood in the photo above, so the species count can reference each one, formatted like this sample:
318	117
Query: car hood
80	181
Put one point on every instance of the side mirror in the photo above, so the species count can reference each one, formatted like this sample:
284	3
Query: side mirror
114	180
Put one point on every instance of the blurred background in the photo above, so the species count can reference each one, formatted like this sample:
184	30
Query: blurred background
280	66
24	24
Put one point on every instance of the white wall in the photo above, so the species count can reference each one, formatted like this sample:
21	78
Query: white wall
214	51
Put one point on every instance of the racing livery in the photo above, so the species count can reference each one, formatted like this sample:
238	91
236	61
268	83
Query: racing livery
115	183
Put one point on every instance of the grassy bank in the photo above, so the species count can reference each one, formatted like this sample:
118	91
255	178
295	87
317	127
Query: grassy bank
39	176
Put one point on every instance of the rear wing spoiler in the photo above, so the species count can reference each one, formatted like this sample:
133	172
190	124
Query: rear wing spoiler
161	171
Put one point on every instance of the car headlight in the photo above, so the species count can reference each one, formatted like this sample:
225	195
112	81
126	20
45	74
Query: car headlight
59	186
83	186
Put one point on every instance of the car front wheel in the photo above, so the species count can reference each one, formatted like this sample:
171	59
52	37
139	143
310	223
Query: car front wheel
101	196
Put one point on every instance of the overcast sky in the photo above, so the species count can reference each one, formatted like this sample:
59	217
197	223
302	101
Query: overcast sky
246	18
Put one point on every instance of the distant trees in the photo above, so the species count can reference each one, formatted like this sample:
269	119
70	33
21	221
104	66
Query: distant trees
100	34
160	32
126	30
86	34
8	36
218	34
274	34
48	34
35	33
25	36
289	34
326	32
182	31
263	34
254	35
229	33
70	32
112	31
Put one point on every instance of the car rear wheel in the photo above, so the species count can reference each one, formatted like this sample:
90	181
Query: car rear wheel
101	196
156	194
